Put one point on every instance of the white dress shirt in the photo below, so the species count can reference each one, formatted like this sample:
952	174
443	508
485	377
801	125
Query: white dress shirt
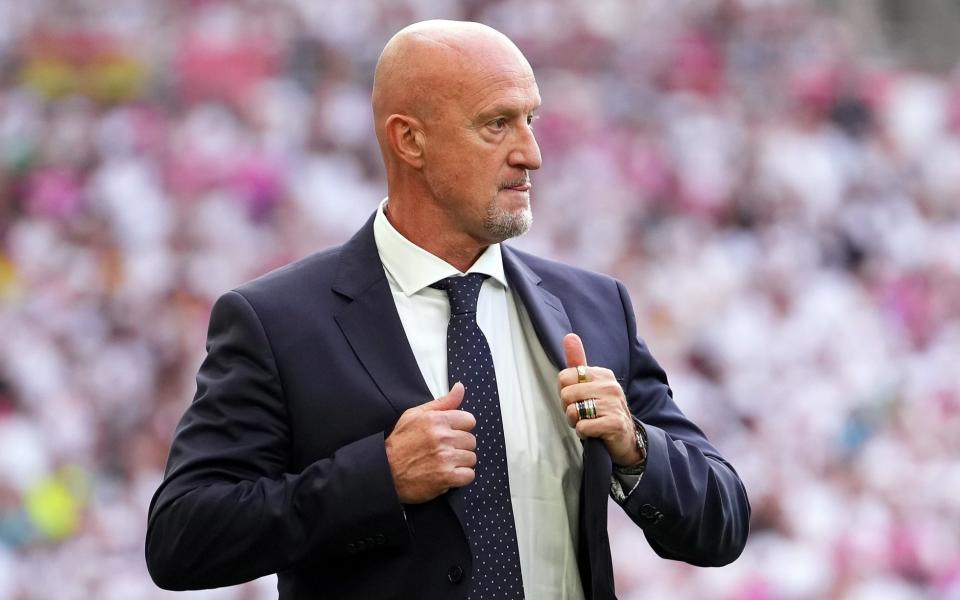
544	455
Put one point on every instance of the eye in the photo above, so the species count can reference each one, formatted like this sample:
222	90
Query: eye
498	124
531	119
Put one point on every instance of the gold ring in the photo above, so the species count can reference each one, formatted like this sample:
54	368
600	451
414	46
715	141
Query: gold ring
587	409
581	373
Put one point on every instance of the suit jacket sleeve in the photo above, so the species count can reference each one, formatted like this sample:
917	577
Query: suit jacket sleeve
229	508
690	502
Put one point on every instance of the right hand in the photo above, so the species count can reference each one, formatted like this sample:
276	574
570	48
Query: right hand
431	448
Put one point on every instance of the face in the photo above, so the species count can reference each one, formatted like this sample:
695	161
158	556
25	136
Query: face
480	149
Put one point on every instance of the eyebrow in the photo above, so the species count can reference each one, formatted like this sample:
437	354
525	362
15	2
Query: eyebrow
504	109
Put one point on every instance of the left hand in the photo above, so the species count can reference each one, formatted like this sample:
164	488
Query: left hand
614	421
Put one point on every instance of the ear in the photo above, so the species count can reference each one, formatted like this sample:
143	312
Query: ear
405	135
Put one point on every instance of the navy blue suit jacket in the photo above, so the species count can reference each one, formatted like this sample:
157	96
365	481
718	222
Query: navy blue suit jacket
278	465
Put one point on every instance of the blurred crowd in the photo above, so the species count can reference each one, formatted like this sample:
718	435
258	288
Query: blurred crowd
783	206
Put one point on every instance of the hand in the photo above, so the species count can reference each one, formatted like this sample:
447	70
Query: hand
614	421
431	449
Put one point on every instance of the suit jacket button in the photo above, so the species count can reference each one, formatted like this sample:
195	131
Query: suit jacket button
455	574
648	512
351	549
380	539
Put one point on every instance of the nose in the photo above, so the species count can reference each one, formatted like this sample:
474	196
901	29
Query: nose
526	152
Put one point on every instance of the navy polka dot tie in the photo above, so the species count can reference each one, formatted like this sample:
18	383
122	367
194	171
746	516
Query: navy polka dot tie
483	506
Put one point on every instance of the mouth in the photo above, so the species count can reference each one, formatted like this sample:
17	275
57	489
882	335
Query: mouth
523	186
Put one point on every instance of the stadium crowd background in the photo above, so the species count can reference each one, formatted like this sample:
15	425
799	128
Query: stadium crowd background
783	205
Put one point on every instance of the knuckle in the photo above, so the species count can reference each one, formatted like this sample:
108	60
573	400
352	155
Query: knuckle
451	460
437	434
611	386
433	460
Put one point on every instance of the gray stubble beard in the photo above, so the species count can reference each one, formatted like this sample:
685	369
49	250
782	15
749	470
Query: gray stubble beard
503	225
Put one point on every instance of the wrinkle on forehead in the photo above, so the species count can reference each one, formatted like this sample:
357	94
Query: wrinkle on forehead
516	92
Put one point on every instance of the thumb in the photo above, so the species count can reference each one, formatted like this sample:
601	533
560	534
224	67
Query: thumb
573	348
450	401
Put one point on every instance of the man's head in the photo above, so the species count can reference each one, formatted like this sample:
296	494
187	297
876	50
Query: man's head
453	105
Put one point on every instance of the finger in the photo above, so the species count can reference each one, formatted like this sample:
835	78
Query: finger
594	374
573	348
572	393
584	391
450	401
572	412
609	407
464	440
572	377
598	427
460	419
464	458
461	476
567	377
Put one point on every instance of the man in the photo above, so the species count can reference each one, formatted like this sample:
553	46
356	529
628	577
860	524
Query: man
312	448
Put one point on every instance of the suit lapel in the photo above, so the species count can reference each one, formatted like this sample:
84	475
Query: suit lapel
551	323
374	331
546	311
372	326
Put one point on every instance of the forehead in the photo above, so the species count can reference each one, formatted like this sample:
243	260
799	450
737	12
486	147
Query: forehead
503	84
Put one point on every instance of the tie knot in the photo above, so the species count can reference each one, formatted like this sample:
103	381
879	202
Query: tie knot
463	291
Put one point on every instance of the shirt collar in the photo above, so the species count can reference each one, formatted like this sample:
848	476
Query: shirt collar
413	268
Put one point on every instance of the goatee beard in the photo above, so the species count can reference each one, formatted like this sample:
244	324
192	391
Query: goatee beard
503	225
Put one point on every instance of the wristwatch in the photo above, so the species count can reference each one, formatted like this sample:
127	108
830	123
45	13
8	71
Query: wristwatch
641	436
626	479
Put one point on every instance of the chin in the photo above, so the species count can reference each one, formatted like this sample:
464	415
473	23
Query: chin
504	224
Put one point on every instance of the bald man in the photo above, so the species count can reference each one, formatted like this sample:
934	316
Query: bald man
424	412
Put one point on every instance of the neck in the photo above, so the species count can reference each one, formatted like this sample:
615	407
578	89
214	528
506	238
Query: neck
429	230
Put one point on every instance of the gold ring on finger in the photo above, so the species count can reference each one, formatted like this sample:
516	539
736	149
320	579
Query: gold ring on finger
581	373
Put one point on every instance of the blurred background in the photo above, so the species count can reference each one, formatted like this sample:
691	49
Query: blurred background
776	181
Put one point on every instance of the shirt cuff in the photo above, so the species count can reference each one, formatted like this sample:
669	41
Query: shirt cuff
625	480
623	483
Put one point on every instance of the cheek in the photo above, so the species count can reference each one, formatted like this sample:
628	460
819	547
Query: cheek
441	166
468	170
475	176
